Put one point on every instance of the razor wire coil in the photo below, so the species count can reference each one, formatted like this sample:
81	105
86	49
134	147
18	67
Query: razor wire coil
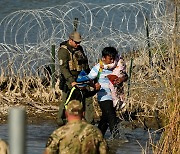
28	34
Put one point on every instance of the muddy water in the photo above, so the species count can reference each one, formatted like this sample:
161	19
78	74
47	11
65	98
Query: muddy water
37	135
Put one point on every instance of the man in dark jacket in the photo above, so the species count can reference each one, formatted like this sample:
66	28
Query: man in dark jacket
72	60
80	92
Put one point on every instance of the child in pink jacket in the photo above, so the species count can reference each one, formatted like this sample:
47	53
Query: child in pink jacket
117	78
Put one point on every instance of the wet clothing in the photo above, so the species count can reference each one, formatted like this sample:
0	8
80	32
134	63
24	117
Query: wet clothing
108	118
76	137
71	62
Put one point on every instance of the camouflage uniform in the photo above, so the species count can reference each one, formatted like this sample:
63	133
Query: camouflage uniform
76	137
72	61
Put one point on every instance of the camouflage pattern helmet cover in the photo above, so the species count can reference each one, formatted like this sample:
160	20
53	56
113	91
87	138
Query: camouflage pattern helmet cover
74	107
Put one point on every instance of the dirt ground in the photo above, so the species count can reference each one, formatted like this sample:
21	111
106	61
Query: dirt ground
35	113
38	111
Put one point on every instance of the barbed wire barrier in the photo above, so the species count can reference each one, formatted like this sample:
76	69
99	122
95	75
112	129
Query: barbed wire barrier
29	34
25	48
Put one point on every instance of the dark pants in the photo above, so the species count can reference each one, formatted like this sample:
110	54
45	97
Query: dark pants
108	118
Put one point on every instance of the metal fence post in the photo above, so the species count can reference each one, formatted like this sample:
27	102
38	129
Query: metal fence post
53	65
148	43
129	78
75	24
17	131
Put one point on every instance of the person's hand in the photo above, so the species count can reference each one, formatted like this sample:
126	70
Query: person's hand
97	86
119	80
74	83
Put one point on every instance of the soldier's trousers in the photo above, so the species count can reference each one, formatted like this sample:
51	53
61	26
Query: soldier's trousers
60	115
89	110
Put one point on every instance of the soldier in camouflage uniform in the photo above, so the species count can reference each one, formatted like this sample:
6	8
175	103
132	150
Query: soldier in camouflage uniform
72	60
77	136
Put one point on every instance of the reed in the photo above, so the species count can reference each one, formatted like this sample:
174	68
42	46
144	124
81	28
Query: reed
29	91
170	139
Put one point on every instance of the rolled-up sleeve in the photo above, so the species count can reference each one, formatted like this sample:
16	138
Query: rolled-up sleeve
94	72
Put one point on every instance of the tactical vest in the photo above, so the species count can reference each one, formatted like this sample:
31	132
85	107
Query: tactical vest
78	61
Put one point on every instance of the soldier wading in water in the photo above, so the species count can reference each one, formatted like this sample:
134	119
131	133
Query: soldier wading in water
77	136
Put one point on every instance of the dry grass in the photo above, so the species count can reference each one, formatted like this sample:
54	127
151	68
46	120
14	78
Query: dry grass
170	139
33	93
147	89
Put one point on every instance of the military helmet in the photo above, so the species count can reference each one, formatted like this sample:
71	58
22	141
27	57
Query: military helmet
74	107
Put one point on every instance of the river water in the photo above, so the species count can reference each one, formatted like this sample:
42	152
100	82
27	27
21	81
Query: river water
9	6
37	135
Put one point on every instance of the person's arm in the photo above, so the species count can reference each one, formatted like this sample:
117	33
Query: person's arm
122	79
94	85
89	93
94	72
52	145
103	147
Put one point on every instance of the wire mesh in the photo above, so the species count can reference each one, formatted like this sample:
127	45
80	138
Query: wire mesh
28	34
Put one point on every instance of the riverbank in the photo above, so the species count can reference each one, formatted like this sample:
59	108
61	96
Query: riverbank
34	115
36	95
47	111
145	93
